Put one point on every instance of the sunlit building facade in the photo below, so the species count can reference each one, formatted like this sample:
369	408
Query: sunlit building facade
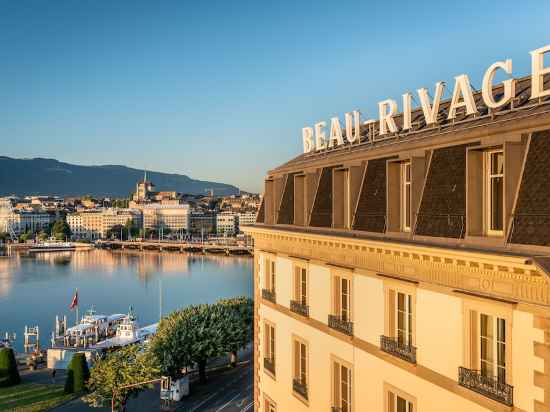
410	273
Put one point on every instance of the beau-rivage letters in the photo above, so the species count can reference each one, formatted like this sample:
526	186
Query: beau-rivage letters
315	138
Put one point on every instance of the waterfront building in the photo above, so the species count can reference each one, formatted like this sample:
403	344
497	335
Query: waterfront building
227	223
174	217
409	271
247	218
17	221
202	222
96	224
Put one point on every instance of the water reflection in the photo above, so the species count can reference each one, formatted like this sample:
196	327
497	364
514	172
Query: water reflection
35	288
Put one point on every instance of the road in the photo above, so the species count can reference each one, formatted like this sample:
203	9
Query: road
227	390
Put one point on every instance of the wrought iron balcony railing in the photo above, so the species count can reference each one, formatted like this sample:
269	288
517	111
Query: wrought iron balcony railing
269	364
299	308
337	323
268	294
299	387
403	351
486	385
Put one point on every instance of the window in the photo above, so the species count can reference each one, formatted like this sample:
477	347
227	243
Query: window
405	196
342	298
300	362
270	405
494	191
400	316
269	348
270	274
492	347
403	319
342	389
398	401
300	285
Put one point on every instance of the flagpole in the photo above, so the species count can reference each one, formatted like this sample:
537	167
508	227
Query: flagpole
76	323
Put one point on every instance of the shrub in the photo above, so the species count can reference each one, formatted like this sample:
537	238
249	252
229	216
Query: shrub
9	374
77	374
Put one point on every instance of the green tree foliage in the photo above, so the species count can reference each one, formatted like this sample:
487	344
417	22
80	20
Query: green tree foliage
43	236
23	237
131	228
190	335
4	237
238	324
127	366
61	230
9	374
77	374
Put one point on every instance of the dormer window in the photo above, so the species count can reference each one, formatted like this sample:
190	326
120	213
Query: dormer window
494	192
405	199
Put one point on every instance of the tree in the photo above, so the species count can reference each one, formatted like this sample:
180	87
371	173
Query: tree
130	229
127	366
4	237
77	374
239	319
190	335
9	374
25	236
43	236
61	230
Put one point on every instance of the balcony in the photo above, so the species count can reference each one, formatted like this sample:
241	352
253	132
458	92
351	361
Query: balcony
487	386
392	346
300	388
269	364
337	323
299	308
268	294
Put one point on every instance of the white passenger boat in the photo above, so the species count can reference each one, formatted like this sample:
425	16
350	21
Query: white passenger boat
127	333
91	329
52	247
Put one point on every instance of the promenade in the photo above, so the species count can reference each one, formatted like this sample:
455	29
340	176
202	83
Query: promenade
178	246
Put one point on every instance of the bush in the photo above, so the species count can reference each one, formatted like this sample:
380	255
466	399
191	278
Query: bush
77	374
9	375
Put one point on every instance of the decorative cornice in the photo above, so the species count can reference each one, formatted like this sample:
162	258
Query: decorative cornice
502	276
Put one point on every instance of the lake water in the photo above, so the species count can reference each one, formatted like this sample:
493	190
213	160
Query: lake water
33	289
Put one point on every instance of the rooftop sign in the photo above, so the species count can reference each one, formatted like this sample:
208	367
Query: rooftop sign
315	138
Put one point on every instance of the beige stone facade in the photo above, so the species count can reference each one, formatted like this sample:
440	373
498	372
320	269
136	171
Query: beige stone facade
409	275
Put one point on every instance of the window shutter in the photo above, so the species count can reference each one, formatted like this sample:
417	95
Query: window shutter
337	295
266	341
336	388
296	359
297	284
391	402
474	340
391	313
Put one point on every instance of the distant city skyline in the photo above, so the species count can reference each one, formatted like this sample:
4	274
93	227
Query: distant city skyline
220	91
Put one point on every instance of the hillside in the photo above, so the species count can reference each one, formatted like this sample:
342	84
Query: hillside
49	176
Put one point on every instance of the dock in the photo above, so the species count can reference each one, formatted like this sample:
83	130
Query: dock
176	246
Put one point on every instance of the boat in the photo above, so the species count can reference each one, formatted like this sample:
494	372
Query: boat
91	329
128	332
52	247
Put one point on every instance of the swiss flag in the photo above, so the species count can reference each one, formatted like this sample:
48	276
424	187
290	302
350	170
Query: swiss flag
74	302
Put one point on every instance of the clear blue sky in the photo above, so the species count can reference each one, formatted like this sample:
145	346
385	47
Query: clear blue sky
221	90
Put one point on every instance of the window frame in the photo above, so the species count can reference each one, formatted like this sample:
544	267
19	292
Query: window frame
336	308
269	404
472	335
487	191
393	287
297	363
270	273
405	190
298	271
334	360
270	345
394	392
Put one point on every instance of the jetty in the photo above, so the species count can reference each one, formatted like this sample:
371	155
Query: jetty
178	246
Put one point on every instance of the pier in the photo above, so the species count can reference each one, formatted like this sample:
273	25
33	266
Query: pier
178	246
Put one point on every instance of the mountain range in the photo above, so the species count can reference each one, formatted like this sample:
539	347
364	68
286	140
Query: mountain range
51	177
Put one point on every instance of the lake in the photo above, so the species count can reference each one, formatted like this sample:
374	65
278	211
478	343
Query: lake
36	288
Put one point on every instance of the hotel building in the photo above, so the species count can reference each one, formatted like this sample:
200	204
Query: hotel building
410	273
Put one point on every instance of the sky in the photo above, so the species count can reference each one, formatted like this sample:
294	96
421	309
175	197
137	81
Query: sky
220	90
